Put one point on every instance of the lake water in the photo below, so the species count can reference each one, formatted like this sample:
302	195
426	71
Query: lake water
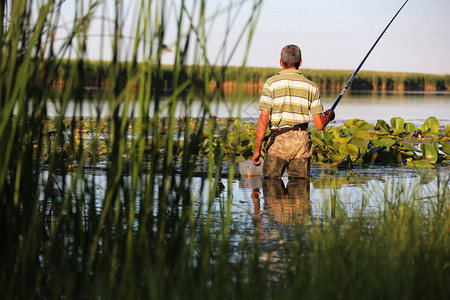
362	189
414	107
267	204
411	106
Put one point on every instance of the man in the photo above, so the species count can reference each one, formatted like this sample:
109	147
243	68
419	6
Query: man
287	99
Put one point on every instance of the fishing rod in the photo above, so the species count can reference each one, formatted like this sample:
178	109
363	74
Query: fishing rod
360	65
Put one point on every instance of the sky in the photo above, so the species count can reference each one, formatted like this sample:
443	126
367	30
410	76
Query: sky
338	34
332	34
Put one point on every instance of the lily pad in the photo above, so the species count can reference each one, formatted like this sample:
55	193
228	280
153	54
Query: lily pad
445	148
398	124
337	142
431	125
324	135
364	134
419	164
354	124
351	150
409	147
447	129
429	152
382	126
338	158
410	127
388	142
376	149
361	143
342	140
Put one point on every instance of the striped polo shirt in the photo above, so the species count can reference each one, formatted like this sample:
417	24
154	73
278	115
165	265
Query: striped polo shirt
290	96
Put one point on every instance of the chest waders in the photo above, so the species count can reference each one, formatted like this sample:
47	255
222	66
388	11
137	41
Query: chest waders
274	166
276	132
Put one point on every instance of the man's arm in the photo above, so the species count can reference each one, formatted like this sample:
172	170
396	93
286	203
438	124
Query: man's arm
261	128
321	120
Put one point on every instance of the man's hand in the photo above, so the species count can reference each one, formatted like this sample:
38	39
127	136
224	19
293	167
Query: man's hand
256	157
261	128
321	120
329	114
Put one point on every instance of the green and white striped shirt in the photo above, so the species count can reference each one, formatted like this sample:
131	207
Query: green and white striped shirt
290	96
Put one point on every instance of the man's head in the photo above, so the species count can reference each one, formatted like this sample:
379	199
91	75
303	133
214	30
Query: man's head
291	57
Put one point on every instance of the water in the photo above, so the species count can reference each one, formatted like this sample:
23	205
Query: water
357	190
257	202
414	107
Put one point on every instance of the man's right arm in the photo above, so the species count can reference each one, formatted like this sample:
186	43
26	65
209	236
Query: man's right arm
322	120
261	128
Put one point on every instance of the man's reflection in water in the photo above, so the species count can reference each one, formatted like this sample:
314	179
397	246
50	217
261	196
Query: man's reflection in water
284	208
286	204
283	205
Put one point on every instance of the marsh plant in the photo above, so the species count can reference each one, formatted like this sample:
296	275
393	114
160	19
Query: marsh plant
114	215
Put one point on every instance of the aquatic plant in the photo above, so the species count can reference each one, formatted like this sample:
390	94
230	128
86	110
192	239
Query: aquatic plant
358	143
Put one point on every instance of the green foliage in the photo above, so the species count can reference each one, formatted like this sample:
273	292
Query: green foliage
431	125
357	124
409	127
398	124
357	143
429	152
383	126
445	148
420	164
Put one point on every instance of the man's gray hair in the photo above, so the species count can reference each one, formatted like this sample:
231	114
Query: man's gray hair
291	56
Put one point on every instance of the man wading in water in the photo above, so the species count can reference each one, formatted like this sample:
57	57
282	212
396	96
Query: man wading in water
287	98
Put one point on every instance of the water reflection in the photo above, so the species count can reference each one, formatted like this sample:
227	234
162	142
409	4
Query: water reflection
327	195
280	206
286	204
277	212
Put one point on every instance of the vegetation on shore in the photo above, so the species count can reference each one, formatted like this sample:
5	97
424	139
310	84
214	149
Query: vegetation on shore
95	74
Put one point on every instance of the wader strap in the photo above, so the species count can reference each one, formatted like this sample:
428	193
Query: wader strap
275	132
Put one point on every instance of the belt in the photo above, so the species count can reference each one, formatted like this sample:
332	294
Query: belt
278	131
301	127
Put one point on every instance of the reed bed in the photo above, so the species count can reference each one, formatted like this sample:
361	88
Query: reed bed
96	77
366	80
76	226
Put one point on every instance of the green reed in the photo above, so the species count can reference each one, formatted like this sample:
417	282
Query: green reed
397	249
59	235
115	215
96	76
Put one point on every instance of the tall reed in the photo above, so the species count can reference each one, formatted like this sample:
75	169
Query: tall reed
60	232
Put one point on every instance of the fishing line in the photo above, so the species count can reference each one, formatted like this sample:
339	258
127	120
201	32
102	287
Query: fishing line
360	65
